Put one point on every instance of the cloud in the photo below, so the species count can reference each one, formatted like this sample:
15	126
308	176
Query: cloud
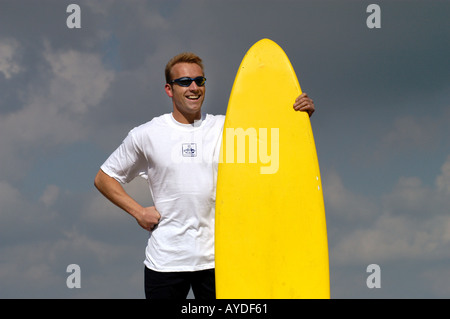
404	138
379	98
79	81
53	115
412	133
394	238
100	211
8	64
345	204
443	180
41	236
416	199
438	278
50	195
22	218
414	224
410	196
38	268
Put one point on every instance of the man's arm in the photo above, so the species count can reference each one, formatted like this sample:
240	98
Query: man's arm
304	103
147	217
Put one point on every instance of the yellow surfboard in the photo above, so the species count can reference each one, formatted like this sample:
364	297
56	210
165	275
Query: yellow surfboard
271	237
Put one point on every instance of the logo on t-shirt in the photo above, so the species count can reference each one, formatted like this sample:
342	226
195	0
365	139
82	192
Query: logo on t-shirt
189	149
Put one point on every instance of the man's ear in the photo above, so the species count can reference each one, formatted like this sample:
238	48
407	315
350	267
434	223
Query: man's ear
168	89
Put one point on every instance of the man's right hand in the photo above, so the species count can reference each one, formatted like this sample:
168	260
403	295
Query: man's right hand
148	218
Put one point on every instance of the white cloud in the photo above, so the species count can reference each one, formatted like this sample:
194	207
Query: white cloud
396	238
413	224
14	207
344	204
409	134
41	236
410	196
443	180
79	80
22	218
53	116
9	196
50	195
25	269
100	211
8	64
37	269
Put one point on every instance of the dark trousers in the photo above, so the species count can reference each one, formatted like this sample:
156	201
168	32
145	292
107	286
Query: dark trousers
176	285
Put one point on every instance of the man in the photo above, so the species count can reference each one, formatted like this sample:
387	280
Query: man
178	153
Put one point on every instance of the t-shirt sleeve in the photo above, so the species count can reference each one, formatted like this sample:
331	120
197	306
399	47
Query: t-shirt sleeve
127	161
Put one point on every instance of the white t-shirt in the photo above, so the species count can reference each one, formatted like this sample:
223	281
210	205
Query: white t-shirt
180	163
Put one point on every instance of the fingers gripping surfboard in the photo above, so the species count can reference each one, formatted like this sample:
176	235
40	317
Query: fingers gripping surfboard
270	237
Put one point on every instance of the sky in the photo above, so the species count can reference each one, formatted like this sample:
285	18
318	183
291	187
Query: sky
69	96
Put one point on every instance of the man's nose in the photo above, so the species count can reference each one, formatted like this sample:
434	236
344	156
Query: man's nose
193	86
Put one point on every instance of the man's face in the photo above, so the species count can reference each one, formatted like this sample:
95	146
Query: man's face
186	100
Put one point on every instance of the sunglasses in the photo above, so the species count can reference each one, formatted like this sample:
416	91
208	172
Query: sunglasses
186	81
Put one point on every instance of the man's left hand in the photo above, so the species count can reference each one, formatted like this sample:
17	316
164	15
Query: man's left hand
304	104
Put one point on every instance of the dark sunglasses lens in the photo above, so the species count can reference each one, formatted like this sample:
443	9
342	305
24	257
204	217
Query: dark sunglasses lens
184	82
200	81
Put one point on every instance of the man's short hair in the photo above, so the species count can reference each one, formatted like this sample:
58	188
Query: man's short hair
185	57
